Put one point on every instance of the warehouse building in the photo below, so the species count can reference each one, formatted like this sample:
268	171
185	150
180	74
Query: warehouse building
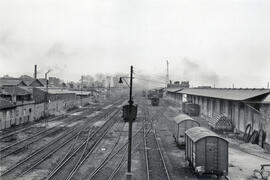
240	106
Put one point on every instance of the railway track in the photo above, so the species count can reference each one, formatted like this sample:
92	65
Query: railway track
111	147
117	158
70	165
20	145
112	166
15	131
27	164
24	143
156	167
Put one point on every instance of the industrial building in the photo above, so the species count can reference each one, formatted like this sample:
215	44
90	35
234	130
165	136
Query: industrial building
240	106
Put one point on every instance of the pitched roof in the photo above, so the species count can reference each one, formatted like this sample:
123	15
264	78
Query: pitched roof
222	93
28	81
5	104
15	90
12	82
197	133
37	81
183	117
43	81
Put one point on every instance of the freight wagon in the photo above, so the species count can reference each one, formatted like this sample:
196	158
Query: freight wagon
191	109
182	123
206	152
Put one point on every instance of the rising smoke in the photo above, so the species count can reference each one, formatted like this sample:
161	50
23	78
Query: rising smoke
198	74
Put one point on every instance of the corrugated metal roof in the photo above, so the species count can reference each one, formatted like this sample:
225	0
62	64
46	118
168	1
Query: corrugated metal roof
11	81
15	90
182	117
230	94
5	104
197	133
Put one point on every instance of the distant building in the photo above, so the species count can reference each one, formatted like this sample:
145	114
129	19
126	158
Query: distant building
16	94
54	81
177	84
12	82
20	82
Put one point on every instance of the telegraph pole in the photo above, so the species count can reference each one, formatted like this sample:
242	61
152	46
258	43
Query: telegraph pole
46	105
81	89
167	75
130	123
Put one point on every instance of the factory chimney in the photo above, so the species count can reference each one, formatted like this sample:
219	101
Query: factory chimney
35	72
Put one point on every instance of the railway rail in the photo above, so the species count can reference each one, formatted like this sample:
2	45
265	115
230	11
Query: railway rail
15	130
22	144
119	153
5	151
152	150
19	169
71	164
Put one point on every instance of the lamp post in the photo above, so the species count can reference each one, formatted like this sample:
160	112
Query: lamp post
130	119
47	94
81	89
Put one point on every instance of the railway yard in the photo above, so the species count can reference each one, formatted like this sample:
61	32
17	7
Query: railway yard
92	143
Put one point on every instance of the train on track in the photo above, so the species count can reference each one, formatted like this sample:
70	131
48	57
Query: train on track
155	93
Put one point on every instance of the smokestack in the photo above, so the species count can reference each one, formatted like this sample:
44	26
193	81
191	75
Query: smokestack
35	72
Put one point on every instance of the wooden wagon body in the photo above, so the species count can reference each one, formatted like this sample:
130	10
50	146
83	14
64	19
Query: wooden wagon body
206	152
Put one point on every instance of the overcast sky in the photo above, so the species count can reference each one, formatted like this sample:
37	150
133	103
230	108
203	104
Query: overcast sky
208	42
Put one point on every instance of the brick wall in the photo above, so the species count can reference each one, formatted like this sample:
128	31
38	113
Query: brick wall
34	111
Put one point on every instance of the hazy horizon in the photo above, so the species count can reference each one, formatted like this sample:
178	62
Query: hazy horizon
207	42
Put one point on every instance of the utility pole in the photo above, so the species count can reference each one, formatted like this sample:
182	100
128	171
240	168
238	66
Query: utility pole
81	89
129	114
46	105
268	85
167	75
130	123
